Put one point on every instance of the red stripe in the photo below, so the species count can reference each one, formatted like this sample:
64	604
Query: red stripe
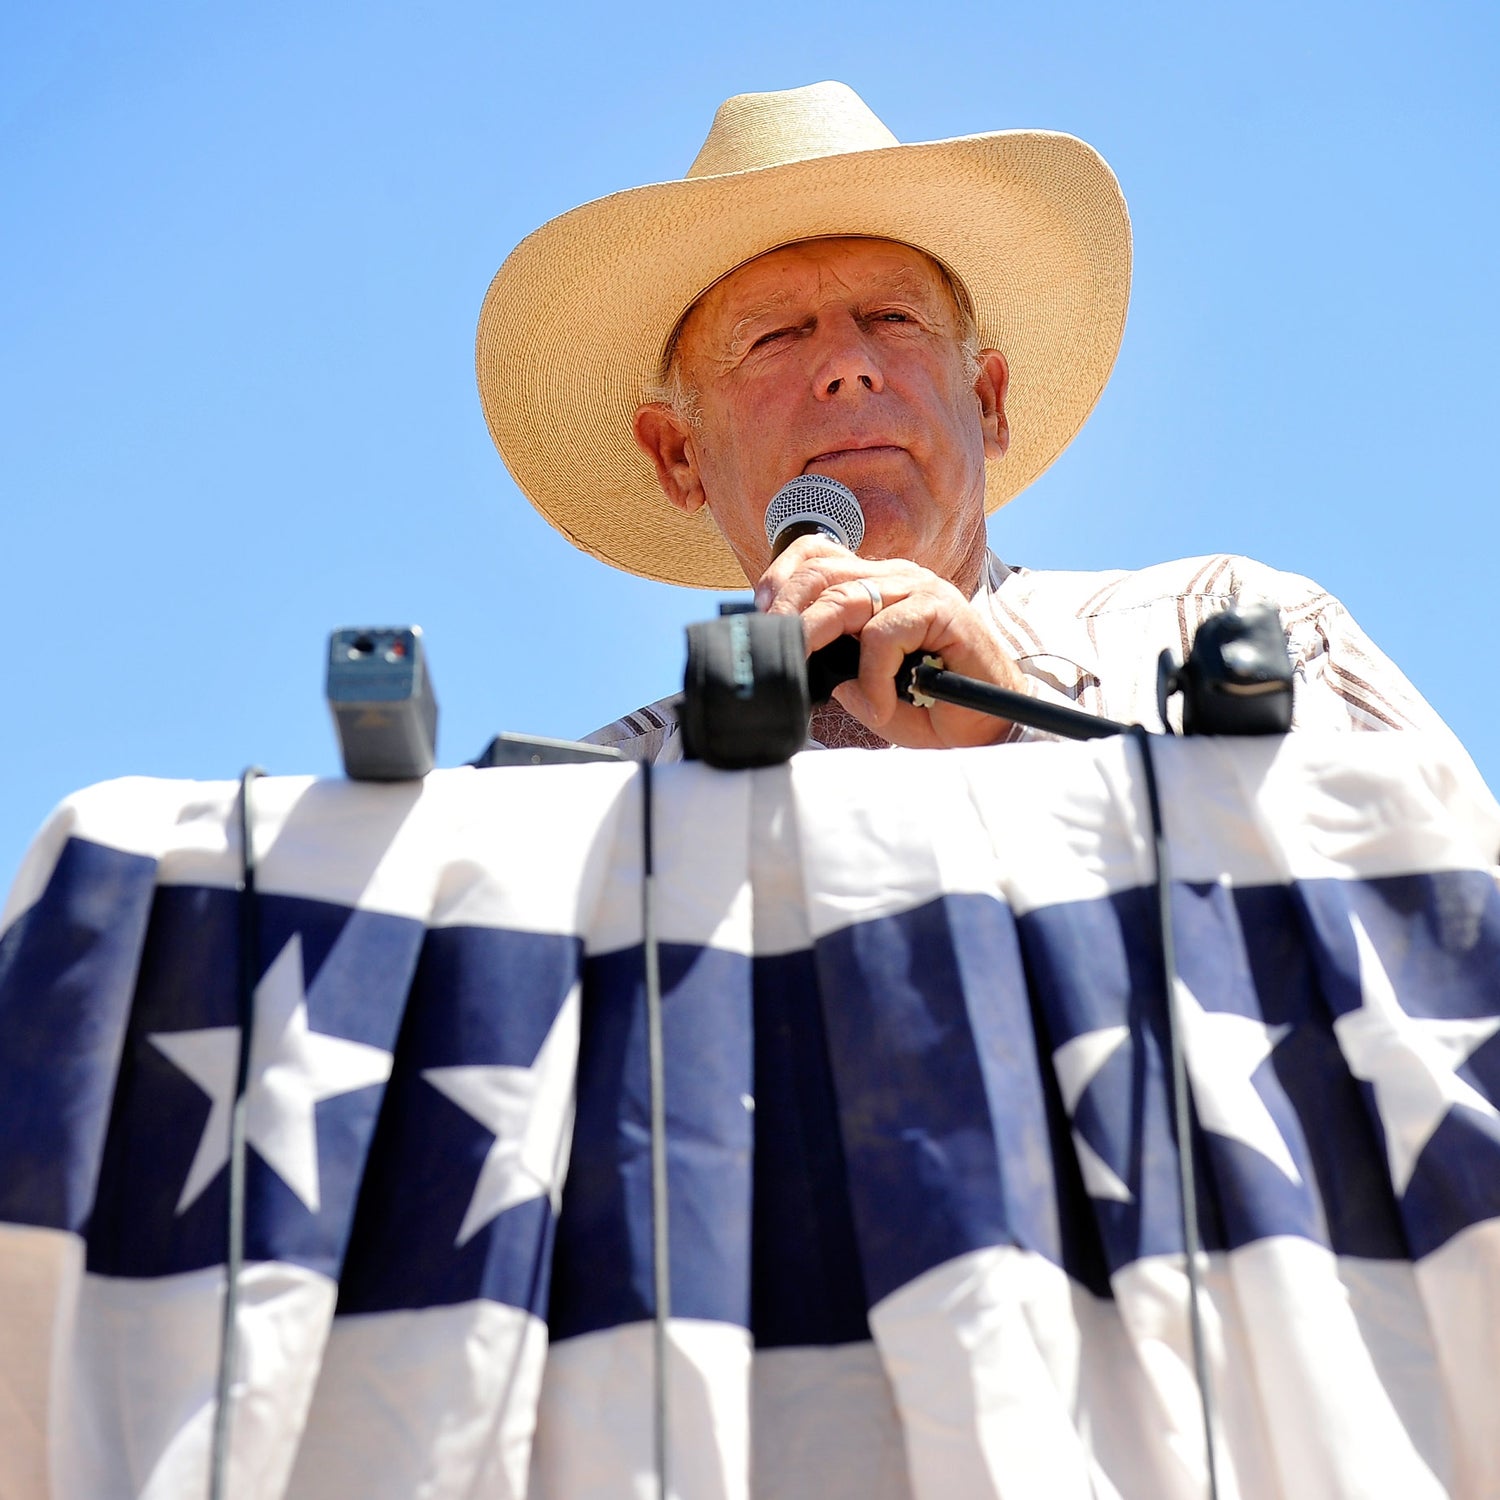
1095	602
1364	696
1211	584
1013	641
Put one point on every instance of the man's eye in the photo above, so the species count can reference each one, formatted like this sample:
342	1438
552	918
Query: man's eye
893	317
769	338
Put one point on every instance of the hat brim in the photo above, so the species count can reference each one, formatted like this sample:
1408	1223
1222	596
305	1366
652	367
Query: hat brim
573	326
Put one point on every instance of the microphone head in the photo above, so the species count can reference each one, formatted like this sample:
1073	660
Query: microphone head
814	501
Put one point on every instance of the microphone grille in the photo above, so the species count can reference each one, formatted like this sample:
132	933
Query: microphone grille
817	498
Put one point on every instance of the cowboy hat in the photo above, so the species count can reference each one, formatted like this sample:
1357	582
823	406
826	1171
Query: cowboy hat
574	328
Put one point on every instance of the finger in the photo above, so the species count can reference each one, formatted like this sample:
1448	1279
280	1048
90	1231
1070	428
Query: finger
807	552
933	618
849	608
915	623
812	565
848	696
940	621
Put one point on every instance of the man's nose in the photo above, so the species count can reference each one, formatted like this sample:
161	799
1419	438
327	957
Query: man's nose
846	362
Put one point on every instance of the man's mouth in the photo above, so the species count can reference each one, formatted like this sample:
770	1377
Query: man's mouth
854	450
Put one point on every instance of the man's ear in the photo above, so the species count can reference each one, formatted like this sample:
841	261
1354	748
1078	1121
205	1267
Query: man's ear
990	385
667	441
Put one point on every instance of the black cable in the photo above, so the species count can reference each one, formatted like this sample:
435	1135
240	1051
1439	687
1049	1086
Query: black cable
934	681
656	1066
249	976
926	679
929	679
1192	1238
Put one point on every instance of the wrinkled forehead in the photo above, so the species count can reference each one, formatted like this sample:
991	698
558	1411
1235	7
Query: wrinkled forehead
892	263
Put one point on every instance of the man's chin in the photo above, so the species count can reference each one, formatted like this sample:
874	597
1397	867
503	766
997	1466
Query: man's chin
893	521
907	527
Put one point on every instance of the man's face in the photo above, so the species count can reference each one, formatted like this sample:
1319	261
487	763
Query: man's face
840	357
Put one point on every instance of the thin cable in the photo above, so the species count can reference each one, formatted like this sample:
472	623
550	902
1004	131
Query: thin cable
249	974
1181	1108
656	1065
929	679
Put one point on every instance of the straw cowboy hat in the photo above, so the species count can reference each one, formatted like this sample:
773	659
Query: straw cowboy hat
1031	225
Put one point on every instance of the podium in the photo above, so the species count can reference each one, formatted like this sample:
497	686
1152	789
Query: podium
924	1214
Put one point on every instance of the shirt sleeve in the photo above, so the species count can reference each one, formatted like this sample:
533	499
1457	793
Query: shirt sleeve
1344	680
651	733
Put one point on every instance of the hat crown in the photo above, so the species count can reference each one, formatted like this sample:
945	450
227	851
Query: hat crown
751	131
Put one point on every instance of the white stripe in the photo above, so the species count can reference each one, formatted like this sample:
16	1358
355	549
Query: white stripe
1333	1428
594	1423
40	1271
1041	824
999	1364
1062	823
511	847
134	815
702	858
824	1423
1012	1381
1460	1291
135	1413
439	1402
515	847
780	901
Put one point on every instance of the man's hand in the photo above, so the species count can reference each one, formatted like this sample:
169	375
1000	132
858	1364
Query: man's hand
918	611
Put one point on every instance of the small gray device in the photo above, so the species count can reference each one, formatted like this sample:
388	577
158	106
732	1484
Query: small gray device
534	750
380	692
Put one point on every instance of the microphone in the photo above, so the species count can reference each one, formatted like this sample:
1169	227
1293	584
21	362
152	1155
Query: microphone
814	504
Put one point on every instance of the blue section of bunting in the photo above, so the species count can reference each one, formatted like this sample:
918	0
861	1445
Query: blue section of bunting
482	997
357	967
946	1135
67	972
1438	939
841	1120
807	1285
602	1269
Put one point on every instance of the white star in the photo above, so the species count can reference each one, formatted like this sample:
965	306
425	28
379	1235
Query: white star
1100	1180
1077	1064
1410	1060
291	1070
1222	1051
529	1111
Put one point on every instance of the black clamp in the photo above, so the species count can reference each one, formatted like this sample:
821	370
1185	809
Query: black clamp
1237	678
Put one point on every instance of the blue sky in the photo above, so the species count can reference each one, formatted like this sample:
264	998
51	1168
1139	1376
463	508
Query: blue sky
243	248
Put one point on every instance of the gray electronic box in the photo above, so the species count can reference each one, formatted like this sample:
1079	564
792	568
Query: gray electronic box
380	692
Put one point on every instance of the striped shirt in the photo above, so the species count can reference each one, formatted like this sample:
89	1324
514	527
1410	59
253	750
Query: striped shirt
1091	641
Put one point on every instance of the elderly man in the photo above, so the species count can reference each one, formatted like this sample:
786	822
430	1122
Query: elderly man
929	324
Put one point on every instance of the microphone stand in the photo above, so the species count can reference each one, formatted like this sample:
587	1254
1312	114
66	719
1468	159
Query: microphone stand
922	679
928	681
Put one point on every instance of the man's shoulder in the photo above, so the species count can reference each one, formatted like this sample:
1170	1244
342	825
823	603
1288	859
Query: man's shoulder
1220	576
649	733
